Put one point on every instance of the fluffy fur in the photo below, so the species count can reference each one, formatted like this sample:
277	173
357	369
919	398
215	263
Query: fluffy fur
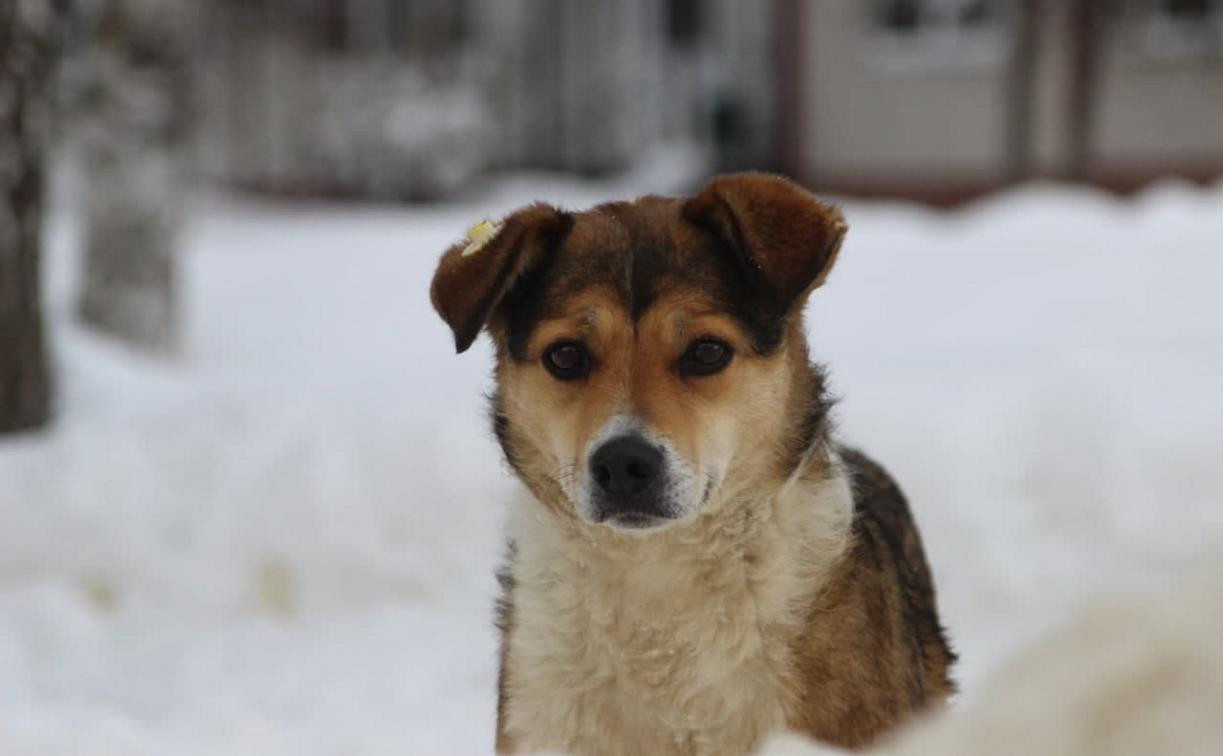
783	584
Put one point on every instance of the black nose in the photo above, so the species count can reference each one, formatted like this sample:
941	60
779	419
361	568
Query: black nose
625	467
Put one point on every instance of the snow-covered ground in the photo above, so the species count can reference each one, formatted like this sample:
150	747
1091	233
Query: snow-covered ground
283	542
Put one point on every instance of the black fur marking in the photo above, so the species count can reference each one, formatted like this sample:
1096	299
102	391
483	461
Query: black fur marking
525	307
503	620
501	429
813	427
505	581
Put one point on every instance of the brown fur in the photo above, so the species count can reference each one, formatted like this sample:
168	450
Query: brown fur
873	650
814	611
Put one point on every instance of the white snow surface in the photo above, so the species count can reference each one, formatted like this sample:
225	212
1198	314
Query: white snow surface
284	540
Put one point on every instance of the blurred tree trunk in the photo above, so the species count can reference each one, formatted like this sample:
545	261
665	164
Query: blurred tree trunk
1087	27
27	52
1020	92
133	121
791	131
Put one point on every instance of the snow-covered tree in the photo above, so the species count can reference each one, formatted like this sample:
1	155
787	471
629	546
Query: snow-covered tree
131	108
27	51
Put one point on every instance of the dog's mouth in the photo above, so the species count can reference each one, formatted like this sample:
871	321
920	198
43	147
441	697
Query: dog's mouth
636	520
652	519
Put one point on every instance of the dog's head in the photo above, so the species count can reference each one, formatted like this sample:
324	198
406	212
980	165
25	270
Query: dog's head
650	354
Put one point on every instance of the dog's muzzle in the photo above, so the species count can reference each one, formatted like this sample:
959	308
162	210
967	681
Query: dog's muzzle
628	474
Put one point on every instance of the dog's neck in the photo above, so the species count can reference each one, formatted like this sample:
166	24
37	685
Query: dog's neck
667	633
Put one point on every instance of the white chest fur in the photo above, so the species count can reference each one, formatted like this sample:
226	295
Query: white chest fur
677	642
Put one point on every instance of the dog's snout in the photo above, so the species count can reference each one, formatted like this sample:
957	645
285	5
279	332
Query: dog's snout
625	467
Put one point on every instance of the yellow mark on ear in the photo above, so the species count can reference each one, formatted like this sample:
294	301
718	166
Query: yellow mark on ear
479	235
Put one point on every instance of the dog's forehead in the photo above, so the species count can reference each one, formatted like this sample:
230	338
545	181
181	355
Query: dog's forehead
627	225
638	250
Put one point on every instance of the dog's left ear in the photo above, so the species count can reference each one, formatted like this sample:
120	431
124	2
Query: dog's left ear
785	238
474	276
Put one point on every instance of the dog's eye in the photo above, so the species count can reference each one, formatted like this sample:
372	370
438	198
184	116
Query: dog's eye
705	357
567	361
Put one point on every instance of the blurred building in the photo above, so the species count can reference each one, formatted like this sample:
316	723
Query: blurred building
411	98
585	85
365	98
933	99
943	99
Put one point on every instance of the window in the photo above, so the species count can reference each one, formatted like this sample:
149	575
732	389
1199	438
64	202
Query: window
684	22
1186	10
936	33
1180	28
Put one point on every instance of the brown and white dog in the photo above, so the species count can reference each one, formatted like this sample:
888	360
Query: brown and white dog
698	564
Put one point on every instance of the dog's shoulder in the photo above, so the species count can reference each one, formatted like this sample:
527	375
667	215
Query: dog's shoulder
882	519
884	524
873	650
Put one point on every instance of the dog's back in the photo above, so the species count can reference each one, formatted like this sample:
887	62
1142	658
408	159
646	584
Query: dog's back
873	650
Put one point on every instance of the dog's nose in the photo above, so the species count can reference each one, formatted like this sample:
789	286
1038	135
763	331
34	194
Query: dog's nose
625	467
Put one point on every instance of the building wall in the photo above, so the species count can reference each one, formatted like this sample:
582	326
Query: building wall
1154	111
872	117
877	121
1157	108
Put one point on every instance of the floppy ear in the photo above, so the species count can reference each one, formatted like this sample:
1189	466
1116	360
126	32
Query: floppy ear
786	239
475	275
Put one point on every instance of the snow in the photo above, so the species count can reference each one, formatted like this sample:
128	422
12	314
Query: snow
283	541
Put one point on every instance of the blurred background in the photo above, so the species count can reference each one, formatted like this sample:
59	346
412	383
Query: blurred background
248	500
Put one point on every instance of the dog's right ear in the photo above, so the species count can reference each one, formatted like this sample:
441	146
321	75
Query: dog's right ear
474	276
785	238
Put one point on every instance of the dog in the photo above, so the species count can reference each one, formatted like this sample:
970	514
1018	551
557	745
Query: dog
695	563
